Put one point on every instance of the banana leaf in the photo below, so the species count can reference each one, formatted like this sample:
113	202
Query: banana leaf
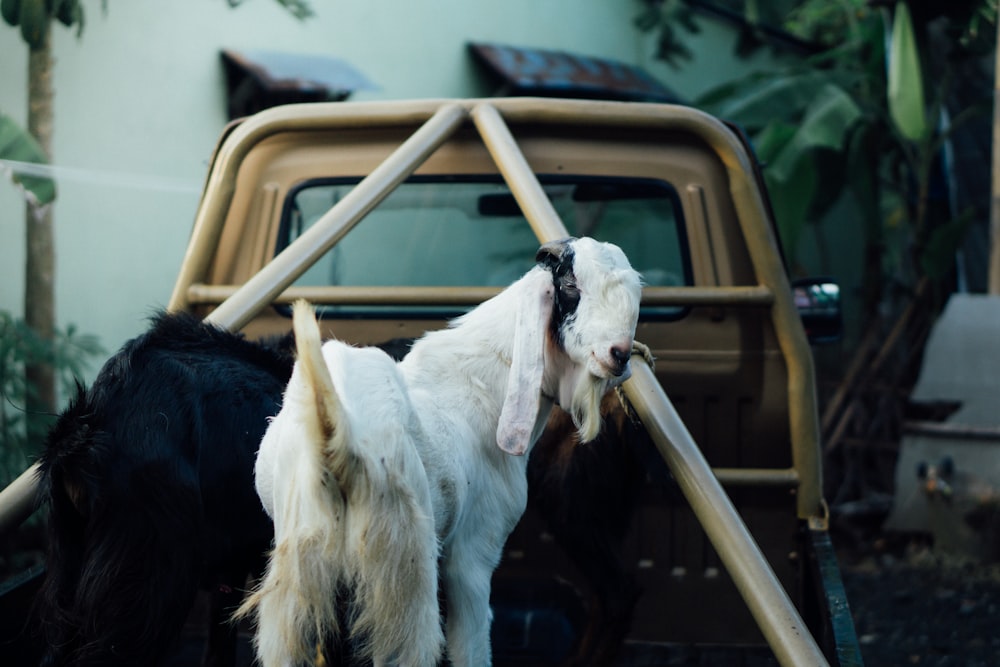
826	123
905	82
800	126
19	147
756	101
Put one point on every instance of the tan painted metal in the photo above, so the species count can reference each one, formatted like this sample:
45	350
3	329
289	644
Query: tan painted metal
776	615
19	499
803	419
757	477
517	173
779	621
470	296
282	271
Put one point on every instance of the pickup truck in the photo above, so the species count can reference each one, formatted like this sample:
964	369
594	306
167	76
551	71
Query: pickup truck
697	532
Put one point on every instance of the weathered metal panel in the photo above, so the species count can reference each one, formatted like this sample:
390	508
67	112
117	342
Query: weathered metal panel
561	74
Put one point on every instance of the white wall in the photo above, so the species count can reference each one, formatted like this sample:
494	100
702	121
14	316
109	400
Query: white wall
140	102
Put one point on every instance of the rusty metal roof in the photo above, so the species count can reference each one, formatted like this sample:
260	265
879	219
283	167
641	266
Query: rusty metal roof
257	79
545	73
280	70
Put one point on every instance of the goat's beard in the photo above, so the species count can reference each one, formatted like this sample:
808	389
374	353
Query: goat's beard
585	406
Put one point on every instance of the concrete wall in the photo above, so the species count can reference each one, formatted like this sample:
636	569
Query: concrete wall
140	101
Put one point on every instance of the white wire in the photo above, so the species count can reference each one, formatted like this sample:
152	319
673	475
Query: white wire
116	179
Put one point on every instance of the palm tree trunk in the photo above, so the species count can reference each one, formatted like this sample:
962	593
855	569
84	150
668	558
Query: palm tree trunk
39	278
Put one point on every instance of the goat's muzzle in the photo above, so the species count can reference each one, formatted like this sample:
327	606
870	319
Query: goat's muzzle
620	356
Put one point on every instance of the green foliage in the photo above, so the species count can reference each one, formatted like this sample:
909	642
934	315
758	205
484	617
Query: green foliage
854	118
300	9
33	16
823	23
800	122
906	86
69	353
665	18
19	146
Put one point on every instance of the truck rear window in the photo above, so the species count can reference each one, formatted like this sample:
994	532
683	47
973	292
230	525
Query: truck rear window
470	232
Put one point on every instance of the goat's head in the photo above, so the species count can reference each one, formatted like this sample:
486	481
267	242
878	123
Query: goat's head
573	337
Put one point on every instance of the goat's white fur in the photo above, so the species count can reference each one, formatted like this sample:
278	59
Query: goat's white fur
372	470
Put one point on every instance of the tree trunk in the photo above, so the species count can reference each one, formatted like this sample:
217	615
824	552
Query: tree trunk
993	286
39	277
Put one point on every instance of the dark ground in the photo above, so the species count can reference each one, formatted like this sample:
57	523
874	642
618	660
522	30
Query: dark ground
913	606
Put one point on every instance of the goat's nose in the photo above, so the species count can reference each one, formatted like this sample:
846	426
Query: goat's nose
621	356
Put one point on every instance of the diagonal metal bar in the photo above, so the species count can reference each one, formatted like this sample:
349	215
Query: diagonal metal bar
779	621
19	499
265	286
767	601
523	183
776	616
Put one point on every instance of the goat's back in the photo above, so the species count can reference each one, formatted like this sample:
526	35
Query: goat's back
149	476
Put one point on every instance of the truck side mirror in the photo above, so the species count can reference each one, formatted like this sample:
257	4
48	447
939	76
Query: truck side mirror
818	303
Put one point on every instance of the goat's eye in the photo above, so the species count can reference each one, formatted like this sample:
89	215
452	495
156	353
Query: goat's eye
568	296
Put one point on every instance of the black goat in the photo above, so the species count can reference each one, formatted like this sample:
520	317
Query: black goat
587	494
149	478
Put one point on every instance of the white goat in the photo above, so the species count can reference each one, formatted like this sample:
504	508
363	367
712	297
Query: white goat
373	470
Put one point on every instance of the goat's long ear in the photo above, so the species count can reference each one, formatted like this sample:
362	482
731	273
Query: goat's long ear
524	383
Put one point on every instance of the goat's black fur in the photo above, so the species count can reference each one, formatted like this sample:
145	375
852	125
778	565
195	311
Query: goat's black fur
149	478
587	494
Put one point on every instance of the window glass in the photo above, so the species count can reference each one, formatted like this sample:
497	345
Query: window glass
471	232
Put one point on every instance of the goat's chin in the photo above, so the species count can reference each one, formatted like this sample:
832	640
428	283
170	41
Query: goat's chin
585	406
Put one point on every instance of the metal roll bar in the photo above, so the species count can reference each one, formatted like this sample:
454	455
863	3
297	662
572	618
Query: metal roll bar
774	612
776	615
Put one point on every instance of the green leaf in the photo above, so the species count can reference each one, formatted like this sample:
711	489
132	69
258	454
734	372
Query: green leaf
772	140
70	13
826	124
802	160
34	22
756	102
939	254
905	85
791	199
861	173
17	145
10	10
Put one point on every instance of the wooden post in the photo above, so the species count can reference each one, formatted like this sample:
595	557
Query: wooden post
994	274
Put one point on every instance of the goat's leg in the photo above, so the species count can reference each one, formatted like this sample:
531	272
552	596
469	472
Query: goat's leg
220	646
396	608
467	590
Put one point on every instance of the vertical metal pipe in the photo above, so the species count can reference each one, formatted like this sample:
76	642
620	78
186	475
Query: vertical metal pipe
294	260
779	621
803	411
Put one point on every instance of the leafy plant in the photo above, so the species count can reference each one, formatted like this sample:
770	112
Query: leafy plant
69	352
16	145
869	114
664	18
34	20
300	9
854	118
